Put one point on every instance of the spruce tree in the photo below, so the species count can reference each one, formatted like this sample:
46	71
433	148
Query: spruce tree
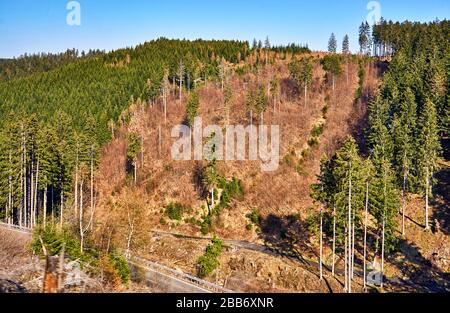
403	126
346	45
428	149
302	73
332	44
192	108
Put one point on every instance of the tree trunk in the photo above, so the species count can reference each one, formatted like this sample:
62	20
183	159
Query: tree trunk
365	235
61	213
306	95
142	147
321	245
347	71
382	251
353	246
349	267
31	194
333	84
334	240
10	208
165	104
181	87
427	188
130	235
76	185
404	202
135	171
345	260
92	181
36	210
160	140
81	217
45	205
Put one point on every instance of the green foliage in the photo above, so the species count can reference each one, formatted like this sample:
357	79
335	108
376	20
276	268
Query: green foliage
332	64
28	65
361	77
206	225
208	262
257	100
54	239
312	142
317	130
134	146
255	217
175	211
65	107
302	71
408	114
332	44
312	223
346	45
120	264
341	185
192	108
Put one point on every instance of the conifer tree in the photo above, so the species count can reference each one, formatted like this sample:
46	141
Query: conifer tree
332	65
192	108
332	44
350	193
403	126
346	45
346	52
428	152
302	72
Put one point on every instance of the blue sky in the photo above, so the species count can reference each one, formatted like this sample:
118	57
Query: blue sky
40	25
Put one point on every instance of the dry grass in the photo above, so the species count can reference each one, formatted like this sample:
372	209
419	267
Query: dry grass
281	193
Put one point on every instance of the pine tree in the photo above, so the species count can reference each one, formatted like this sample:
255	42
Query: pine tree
133	149
165	86
350	193
267	47
302	72
403	126
346	45
332	44
227	97
261	102
363	38
192	108
428	152
332	65
254	44
341	188
384	205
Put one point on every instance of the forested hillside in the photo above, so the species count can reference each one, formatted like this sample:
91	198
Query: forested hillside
27	65
54	121
360	185
402	151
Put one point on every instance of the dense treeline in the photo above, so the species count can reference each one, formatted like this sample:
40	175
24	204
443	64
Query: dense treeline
406	120
411	37
27	65
54	123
